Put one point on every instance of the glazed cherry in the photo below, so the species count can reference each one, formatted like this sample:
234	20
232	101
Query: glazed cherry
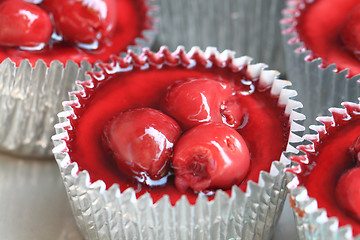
141	142
83	21
354	149
198	101
350	34
23	24
210	156
347	192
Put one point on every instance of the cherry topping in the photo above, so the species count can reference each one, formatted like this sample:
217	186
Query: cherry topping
354	149
347	192
23	24
210	156
350	34
141	141
198	101
83	21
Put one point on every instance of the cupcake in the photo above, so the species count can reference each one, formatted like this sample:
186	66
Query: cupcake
192	142
51	44
249	27
322	60
324	193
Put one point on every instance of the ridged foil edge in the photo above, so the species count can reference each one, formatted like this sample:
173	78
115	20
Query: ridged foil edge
312	222
109	214
249	27
30	98
319	88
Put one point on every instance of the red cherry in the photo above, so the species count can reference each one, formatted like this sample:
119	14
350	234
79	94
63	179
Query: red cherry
210	156
23	24
198	101
347	192
141	141
350	34
354	149
83	21
232	112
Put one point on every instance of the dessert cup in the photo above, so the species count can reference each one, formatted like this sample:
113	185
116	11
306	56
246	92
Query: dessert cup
116	212
249	27
32	90
318	218
320	83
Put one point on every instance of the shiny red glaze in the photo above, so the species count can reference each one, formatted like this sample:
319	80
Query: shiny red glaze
347	192
328	163
320	25
210	156
350	34
355	150
131	20
23	24
82	21
197	101
265	122
141	141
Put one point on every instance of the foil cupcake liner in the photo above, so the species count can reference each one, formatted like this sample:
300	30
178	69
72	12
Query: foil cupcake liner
318	87
103	213
313	222
249	27
30	97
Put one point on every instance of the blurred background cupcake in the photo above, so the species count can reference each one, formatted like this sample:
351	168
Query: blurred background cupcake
249	27
325	192
139	161
321	40
45	46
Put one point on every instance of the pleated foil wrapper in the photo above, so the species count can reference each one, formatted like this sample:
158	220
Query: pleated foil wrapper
318	87
30	97
313	222
249	27
109	213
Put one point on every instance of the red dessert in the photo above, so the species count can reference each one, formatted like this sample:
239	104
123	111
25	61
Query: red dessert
81	30
146	82
141	142
330	169
210	156
197	101
33	24
83	22
330	30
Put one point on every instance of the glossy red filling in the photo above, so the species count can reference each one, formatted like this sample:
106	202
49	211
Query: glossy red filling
326	165
132	19
265	131
319	26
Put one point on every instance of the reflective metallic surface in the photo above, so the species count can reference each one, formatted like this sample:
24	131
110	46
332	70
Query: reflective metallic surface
34	205
249	27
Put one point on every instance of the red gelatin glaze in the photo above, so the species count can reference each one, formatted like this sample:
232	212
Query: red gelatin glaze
330	160
264	126
322	32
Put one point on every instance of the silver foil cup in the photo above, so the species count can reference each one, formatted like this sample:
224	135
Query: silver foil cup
313	222
249	27
103	213
318	88
30	97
